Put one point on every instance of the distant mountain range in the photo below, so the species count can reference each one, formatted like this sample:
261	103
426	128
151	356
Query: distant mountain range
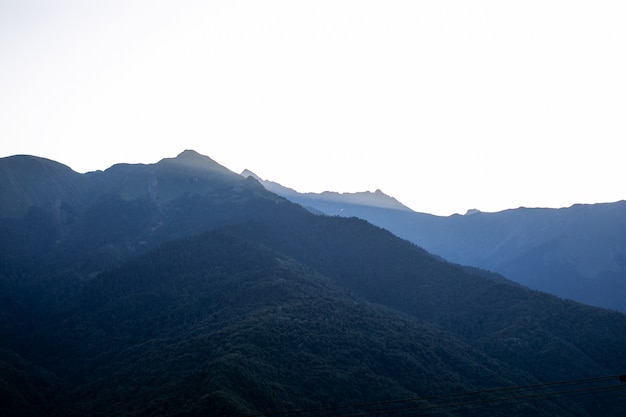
183	289
577	252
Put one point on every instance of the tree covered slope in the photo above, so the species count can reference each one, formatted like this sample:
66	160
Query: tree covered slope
180	288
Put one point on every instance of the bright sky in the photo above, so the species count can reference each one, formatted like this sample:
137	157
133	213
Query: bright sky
445	105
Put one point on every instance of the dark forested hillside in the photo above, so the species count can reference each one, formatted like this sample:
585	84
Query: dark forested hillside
216	325
180	288
507	320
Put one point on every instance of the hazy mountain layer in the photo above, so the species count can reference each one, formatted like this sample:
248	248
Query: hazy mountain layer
577	252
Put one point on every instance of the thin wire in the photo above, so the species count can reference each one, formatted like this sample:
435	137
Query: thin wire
441	396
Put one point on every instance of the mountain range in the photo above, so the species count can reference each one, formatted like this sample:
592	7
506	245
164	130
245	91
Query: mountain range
182	288
578	252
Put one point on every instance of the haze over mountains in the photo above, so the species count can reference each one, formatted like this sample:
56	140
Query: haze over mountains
577	252
182	288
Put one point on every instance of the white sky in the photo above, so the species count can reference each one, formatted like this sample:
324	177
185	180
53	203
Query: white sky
445	105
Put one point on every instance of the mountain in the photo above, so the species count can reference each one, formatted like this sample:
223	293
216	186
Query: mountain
577	252
106	216
235	327
333	203
181	288
35	182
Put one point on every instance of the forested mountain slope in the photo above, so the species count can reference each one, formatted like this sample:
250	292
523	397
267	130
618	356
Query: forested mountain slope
180	288
506	320
217	325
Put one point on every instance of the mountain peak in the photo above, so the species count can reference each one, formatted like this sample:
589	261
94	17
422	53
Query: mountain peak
189	155
188	152
191	159
247	173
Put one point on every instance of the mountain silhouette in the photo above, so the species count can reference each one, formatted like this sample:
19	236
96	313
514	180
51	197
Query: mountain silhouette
577	252
181	288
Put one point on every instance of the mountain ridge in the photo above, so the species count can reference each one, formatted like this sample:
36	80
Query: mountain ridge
333	202
223	298
576	252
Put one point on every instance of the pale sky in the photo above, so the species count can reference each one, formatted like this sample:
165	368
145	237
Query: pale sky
444	105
